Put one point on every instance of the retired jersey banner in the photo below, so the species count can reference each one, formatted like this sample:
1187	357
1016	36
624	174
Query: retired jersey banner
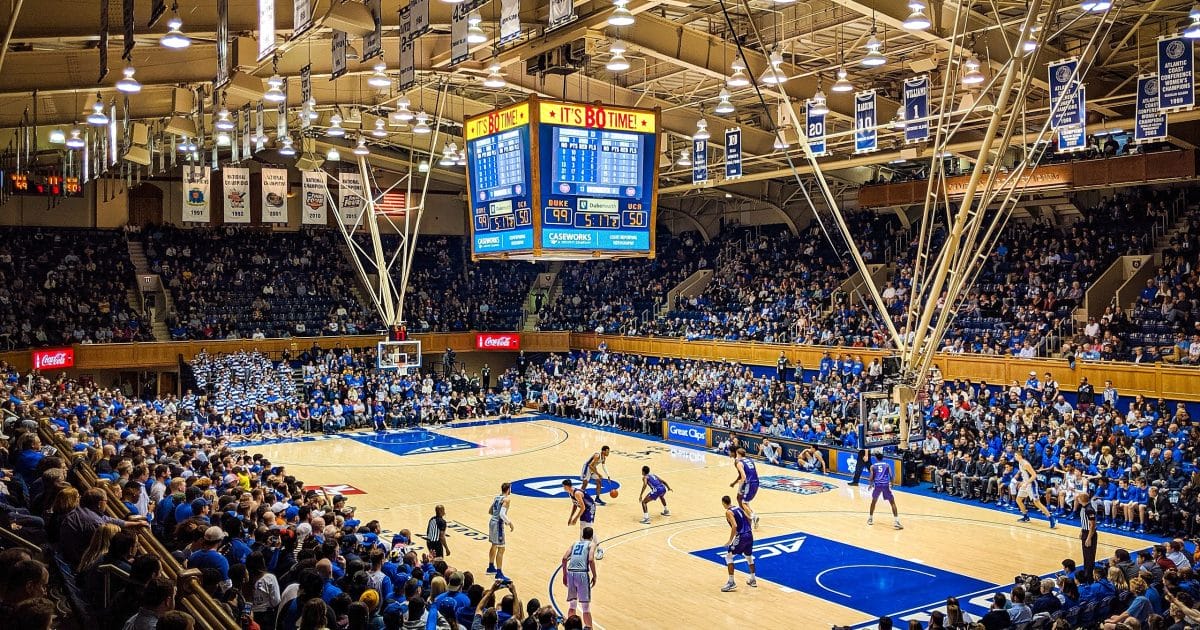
510	20
460	49
916	109
266	28
373	41
699	160
733	153
350	197
274	195
1176	74
866	137
814	130
195	194
1149	122
236	192
419	17
408	65
340	44
315	201
1065	89
562	13
301	17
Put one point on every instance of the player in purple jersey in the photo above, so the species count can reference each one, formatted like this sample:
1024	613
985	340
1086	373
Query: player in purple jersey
658	490
746	483
881	484
583	511
741	542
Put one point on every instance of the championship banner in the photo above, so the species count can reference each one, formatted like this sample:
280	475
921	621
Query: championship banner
266	28
195	194
339	47
1149	122
460	50
274	195
1176	79
866	137
814	126
373	41
234	145
302	18
350	195
408	65
1073	137
1064	98
260	133
562	13
733	153
510	21
246	136
312	210
420	18
236	191
222	44
916	109
699	161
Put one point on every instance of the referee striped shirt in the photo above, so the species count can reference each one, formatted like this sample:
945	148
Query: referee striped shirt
434	532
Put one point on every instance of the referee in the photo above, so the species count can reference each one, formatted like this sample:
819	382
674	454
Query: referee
1087	532
435	534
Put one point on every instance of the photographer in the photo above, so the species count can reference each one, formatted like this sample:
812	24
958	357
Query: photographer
489	617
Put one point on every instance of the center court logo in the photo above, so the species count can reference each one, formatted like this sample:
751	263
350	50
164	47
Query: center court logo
551	487
795	485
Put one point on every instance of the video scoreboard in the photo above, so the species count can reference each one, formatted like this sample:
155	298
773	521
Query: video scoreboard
551	179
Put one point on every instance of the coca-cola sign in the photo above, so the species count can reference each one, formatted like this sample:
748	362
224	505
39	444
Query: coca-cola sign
498	341
54	359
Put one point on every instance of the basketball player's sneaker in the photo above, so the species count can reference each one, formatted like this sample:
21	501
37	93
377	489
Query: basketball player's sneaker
600	501
754	519
599	553
1024	518
1053	522
729	586
491	568
897	524
752	583
870	520
501	577
666	512
645	520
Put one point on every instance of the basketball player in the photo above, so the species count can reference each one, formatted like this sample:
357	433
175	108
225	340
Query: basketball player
499	513
741	542
583	510
1027	489
881	482
746	483
579	575
591	470
658	490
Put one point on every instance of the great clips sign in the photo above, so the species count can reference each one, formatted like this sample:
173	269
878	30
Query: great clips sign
53	359
497	341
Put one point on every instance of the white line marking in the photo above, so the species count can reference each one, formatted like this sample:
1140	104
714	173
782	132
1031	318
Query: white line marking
862	566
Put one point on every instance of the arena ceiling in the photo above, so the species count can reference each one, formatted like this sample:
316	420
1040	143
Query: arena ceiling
681	53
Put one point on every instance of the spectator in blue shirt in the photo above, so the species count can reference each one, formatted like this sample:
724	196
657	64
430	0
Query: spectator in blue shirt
208	557
1139	609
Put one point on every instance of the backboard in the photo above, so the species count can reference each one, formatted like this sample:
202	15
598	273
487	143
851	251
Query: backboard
395	355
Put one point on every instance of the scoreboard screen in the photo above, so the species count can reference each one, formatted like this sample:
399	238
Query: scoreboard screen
598	184
550	179
499	174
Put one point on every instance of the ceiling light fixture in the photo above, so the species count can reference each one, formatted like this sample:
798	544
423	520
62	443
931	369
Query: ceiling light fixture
361	148
819	105
1193	29
449	155
75	142
402	114
916	20
423	166
287	150
621	16
842	84
461	159
1030	44
274	93
898	121
773	75
223	139
379	78
618	62
475	33
1095	6
422	127
127	83
781	143
57	136
973	75
97	117
380	130
175	37
701	130
335	127
739	78
685	158
494	79
874	57
332	155
223	123
724	106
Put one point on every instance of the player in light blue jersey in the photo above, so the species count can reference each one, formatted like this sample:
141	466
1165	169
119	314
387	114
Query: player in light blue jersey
579	575
741	542
499	518
658	490
746	484
881	485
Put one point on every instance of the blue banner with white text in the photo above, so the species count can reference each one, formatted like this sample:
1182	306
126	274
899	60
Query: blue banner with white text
1073	137
866	137
1149	122
1065	87
1176	78
815	130
733	153
916	109
699	160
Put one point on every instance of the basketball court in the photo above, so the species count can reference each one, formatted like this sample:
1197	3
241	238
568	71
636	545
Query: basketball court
819	563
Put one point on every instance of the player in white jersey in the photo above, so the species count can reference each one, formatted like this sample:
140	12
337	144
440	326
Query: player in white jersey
595	468
579	575
1027	489
499	518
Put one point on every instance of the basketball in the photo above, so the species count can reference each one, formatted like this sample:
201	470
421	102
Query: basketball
613	493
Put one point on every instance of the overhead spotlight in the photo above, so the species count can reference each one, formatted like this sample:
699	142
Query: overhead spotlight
701	130
422	127
773	75
97	117
621	16
75	141
127	83
461	159
1030	44
449	155
287	149
332	155
475	34
1095	6
223	139
973	75
874	57
1193	29
175	37
842	84
57	136
916	20
402	114
781	143
898	121
379	78
335	127
361	148
617	62
274	93
818	106
724	106
739	78
494	79
186	146
380	130
423	166
223	123
311	105
685	158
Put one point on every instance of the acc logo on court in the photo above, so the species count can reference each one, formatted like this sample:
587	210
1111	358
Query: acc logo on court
795	485
551	487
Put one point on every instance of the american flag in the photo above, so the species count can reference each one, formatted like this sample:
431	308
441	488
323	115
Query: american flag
392	204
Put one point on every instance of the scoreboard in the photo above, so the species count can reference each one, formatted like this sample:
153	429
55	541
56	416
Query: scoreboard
588	172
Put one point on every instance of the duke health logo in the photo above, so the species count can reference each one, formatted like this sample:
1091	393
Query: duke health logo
795	485
551	487
687	433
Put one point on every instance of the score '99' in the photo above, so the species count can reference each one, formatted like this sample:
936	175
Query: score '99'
558	216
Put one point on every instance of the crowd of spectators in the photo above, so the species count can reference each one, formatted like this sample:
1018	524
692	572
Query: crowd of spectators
65	286
250	282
